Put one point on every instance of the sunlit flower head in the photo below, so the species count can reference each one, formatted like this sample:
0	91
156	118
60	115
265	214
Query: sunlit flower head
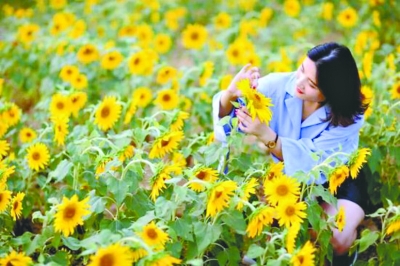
219	197
4	148
291	237
144	34
348	17
395	91
281	189
139	63
58	4
79	82
164	259
260	218
88	54
12	115
78	101
167	99
60	105
166	74
275	170
38	156
327	11
162	43
165	144
111	60
177	122
222	21
70	214
337	177
113	255
194	36
158	180
357	159
27	33
16	259
305	257
341	219
248	189
292	8
69	72
16	205
208	69
154	236
393	226
60	129
289	212
5	198
205	174
127	153
107	113
142	96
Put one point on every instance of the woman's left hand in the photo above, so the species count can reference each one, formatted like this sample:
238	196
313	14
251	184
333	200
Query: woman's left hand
248	125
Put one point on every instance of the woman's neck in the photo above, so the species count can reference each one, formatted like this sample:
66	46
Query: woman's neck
309	108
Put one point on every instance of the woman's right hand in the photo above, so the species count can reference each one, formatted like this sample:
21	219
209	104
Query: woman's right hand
247	72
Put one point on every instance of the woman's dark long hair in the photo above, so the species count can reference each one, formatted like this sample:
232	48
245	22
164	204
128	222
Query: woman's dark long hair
338	80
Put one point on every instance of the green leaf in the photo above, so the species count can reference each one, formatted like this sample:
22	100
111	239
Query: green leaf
165	209
235	220
368	238
60	172
254	251
320	191
235	104
195	262
183	229
314	214
206	234
223	121
71	243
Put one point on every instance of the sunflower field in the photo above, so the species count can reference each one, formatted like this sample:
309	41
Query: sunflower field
107	150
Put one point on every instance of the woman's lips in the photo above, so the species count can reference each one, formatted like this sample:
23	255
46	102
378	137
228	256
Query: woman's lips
299	91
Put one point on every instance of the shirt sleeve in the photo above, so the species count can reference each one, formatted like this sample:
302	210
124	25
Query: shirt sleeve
297	154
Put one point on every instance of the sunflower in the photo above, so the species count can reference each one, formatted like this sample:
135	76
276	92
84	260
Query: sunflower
69	73
210	138
127	31
130	113
194	36
291	237
205	174
38	156
219	197
235	53
179	160
4	148
5	172
5	197
60	129
166	143
225	81
253	59
341	219
16	205
3	127
177	121
142	96
337	177
70	214
327	11
144	34
101	167
167	99
15	258
154	236
222	21
348	17
158	180
12	115
164	259
27	33
77	102
60	105
265	16
275	170
127	153
162	43
139	253
394	226
281	189
289	212
291	8
208	69
261	217
111	60
87	54
58	4
166	74
107	113
356	161
305	257
79	82
396	90
114	255
257	103
246	190
139	63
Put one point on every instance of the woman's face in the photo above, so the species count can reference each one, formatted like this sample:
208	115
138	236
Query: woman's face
306	84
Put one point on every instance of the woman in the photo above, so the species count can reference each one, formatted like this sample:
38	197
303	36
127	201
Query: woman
317	110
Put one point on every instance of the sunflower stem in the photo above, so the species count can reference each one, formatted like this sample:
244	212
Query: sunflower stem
94	148
137	161
141	242
106	140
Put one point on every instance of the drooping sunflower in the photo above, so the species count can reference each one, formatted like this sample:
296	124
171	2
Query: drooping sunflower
219	197
289	212
205	174
208	69
111	60
158	180
305	257
177	122
348	17
194	36
15	258
69	72
27	134
281	189
210	138
167	99
78	101
114	255
154	236
16	205
12	115
127	153
79	82
337	177
341	219
107	113
60	129
142	96
163	259
70	214
4	148
246	191
166	74
394	226
60	105
162	43
261	217
166	143
5	172
138	253
3	127
179	160
275	170
257	104
88	54
357	159
38	156
5	197
291	237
